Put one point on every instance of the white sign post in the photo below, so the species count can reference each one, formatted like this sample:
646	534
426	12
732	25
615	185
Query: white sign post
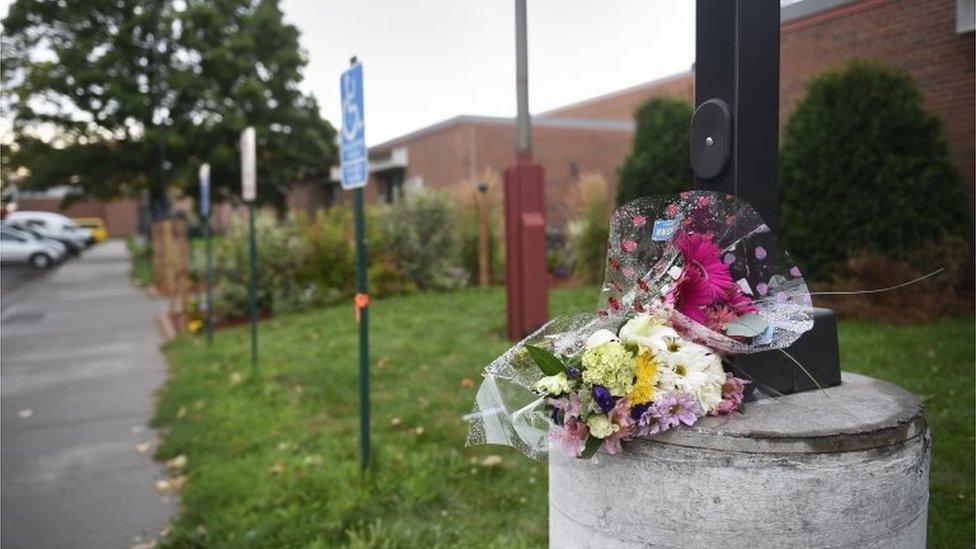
205	219
249	193
248	165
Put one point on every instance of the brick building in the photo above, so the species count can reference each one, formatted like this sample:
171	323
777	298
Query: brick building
121	216
932	40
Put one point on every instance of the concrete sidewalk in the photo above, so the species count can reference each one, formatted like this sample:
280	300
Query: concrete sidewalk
79	363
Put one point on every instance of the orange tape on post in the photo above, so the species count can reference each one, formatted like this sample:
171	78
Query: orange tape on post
361	301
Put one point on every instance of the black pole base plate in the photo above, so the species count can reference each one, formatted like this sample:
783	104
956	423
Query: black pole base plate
774	373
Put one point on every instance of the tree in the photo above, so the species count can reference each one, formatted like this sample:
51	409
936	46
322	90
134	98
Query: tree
660	161
99	92
865	168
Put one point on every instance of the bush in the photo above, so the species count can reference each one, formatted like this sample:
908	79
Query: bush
660	162
423	236
281	252
469	246
923	301
865	169
589	232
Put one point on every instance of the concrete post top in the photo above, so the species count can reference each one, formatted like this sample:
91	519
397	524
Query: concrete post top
860	414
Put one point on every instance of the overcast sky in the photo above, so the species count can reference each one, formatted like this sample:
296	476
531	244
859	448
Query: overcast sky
428	60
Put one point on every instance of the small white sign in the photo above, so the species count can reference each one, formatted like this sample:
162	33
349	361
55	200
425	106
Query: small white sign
205	189
248	165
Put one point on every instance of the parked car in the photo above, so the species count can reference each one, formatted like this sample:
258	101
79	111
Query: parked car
22	247
53	225
96	226
72	245
59	248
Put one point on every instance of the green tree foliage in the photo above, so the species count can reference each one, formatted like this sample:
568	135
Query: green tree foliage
94	89
865	168
659	162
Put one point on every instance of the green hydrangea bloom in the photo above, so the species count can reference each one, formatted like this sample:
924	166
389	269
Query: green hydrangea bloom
609	364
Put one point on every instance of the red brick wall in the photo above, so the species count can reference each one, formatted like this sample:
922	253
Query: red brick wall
446	159
623	104
121	216
917	36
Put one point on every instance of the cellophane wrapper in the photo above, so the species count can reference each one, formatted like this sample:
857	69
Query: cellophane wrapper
640	256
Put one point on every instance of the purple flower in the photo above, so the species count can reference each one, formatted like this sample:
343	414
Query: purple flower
572	373
570	437
603	398
732	393
668	412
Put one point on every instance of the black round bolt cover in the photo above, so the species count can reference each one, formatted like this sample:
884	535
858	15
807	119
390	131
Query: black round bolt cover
711	133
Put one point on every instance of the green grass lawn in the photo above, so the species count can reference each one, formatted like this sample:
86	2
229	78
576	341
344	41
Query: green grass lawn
274	461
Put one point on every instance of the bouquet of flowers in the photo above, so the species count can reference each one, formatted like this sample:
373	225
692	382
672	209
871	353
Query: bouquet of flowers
705	280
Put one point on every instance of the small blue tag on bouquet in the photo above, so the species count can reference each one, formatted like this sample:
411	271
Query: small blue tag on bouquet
664	228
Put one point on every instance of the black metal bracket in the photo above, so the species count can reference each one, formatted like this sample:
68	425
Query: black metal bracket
711	134
735	150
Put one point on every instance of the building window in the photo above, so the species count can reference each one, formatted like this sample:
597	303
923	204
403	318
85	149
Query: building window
965	16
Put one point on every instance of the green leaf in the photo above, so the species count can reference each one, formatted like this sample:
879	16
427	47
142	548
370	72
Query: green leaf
548	362
749	325
592	445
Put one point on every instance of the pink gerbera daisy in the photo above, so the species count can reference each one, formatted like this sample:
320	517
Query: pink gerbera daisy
705	279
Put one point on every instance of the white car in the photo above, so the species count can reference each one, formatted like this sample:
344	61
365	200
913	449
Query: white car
21	247
53	225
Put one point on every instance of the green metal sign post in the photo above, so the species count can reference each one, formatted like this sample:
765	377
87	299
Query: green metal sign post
249	193
362	309
355	173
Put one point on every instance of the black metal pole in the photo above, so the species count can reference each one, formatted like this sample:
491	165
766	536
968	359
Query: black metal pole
737	62
253	287
363	317
735	150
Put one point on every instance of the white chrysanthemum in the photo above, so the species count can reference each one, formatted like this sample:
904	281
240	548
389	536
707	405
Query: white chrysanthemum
598	337
648	332
553	385
694	369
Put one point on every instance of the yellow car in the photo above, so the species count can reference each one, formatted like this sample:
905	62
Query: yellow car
96	226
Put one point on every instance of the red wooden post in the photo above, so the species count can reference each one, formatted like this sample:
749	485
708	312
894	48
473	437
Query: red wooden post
525	245
525	211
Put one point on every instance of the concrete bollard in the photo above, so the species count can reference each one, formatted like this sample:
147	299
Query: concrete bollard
845	469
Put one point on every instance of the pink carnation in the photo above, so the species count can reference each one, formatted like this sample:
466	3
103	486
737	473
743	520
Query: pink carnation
620	415
571	436
732	394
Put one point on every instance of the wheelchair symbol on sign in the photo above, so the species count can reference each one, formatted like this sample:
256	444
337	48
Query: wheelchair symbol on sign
352	118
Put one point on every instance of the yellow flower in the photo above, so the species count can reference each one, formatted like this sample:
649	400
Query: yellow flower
646	372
